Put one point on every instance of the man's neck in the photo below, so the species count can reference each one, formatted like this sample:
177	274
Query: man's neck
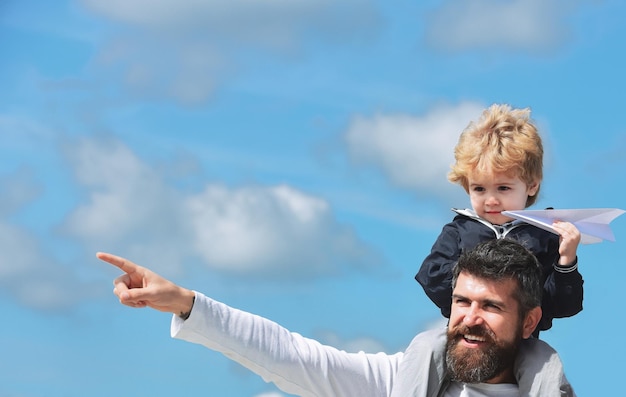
504	377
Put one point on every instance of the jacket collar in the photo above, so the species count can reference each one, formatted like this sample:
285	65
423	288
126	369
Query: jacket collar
500	230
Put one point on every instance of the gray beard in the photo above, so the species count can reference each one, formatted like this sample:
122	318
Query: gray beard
479	365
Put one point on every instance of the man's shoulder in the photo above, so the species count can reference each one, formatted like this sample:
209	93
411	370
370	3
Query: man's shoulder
539	370
432	339
422	370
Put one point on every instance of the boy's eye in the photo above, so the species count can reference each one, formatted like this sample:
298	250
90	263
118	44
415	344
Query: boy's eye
503	188
479	189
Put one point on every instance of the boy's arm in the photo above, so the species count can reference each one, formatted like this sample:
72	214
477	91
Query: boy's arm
435	274
563	292
563	289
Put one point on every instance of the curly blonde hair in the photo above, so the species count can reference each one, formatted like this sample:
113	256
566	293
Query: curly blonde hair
503	140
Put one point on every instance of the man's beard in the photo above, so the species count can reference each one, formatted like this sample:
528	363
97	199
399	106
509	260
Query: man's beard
475	365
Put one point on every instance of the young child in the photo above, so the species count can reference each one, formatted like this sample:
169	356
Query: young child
499	162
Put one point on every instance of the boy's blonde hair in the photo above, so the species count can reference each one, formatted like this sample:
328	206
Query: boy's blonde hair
503	140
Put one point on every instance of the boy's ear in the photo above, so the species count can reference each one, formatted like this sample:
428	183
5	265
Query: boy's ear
533	188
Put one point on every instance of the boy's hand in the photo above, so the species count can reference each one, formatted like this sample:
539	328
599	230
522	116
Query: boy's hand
570	238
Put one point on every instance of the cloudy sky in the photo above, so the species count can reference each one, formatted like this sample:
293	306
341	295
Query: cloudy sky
286	157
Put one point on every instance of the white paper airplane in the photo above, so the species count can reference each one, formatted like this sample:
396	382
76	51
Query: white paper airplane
593	223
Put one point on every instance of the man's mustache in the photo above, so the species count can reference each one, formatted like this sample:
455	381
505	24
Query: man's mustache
461	330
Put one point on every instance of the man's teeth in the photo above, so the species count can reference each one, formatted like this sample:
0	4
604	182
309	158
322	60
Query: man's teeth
474	338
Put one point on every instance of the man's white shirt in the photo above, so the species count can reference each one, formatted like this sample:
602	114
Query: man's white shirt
459	389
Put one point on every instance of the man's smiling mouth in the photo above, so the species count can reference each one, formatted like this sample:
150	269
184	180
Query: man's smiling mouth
474	338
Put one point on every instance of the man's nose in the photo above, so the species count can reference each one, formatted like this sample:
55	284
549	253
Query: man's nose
472	316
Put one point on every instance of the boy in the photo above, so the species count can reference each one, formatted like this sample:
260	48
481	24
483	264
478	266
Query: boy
499	163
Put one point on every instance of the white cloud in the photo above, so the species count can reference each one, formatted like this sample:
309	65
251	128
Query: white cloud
273	22
156	67
129	208
413	152
17	189
535	26
277	230
29	273
124	192
236	19
19	132
274	231
182	49
32	277
19	252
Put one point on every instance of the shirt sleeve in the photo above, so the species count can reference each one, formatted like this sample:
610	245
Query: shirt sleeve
296	364
435	274
563	296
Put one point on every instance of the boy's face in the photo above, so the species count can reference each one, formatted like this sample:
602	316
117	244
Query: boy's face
492	193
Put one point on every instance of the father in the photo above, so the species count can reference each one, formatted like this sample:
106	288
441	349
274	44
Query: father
486	349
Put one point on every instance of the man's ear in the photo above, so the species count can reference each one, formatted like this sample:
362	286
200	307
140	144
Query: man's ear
531	321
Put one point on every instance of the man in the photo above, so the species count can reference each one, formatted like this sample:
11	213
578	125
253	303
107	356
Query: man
486	350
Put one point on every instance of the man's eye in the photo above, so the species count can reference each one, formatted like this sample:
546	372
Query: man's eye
461	302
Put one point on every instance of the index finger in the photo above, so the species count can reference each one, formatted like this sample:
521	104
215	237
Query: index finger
124	264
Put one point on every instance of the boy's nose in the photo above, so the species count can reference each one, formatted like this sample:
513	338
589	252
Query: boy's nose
492	200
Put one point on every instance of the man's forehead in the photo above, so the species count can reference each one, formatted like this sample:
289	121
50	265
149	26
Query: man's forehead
467	283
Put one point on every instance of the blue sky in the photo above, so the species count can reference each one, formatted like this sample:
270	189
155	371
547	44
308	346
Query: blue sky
287	158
